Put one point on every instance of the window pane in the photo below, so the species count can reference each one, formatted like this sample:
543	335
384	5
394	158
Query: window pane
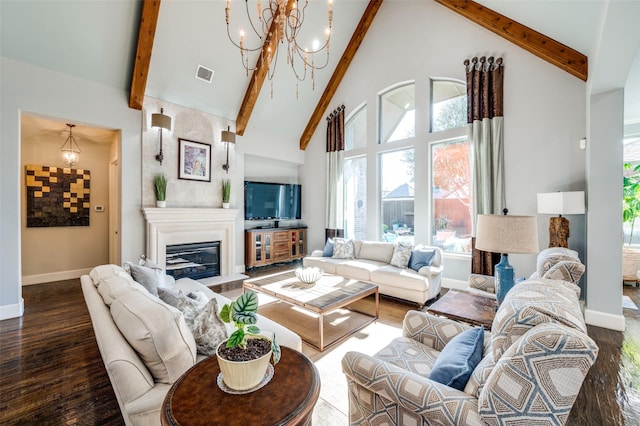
397	114
451	202
448	105
355	198
631	155
355	130
397	196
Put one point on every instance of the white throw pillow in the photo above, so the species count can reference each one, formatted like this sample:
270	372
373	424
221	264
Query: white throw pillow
343	249
157	332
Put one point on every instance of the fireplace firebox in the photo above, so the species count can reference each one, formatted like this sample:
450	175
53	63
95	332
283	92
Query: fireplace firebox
195	260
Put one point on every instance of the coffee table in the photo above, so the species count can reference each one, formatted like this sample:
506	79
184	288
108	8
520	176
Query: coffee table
466	307
329	293
287	399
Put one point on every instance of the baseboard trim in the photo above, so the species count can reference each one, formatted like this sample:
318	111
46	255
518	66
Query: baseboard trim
54	276
454	284
12	311
604	320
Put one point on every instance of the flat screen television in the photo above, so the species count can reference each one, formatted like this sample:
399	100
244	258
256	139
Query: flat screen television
266	200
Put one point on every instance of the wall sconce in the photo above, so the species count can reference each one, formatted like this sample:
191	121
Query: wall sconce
228	137
163	122
70	148
560	203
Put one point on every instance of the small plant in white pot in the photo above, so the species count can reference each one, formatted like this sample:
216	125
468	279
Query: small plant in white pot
226	193
160	182
244	356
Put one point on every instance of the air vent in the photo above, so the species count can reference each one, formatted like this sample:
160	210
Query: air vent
205	74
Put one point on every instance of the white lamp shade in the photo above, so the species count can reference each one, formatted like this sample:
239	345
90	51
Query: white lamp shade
571	202
507	234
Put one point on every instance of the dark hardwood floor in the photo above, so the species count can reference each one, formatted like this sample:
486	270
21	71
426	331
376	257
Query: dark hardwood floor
51	372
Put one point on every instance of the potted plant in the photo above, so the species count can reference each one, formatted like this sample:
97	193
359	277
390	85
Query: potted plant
630	212
226	193
161	190
244	356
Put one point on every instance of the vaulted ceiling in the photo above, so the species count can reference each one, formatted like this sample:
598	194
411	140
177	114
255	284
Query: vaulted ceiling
96	40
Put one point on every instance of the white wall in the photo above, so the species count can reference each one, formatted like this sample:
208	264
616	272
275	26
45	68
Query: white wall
30	89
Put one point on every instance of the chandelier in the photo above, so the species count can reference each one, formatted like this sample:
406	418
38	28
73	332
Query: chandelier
278	25
70	148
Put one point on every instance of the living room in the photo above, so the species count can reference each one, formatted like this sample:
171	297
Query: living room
538	157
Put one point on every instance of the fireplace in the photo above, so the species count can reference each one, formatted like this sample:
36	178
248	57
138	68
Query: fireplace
167	227
194	260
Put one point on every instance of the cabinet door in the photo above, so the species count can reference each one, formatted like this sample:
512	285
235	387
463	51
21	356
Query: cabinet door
302	249
267	237
257	247
294	243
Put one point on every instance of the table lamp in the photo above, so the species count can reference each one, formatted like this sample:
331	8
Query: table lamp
506	235
560	203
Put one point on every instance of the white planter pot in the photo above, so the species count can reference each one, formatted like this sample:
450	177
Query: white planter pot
162	203
225	205
245	374
630	264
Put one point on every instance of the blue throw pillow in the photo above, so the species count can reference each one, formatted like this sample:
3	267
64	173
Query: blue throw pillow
421	257
459	358
328	248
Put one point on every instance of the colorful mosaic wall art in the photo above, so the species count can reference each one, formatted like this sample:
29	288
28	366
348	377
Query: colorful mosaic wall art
57	196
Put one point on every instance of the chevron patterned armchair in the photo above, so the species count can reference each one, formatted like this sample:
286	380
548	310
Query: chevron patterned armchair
533	364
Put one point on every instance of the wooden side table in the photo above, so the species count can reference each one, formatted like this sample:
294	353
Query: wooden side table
288	398
466	307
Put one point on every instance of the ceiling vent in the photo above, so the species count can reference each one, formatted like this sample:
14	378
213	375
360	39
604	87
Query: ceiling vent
205	74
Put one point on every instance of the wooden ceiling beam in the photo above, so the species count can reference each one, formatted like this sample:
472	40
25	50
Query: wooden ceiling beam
556	53
260	73
146	34
340	71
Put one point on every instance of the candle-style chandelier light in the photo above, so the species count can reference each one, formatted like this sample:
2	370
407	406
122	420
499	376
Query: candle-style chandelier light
277	25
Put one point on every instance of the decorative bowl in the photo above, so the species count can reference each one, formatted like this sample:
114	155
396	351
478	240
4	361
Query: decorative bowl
309	275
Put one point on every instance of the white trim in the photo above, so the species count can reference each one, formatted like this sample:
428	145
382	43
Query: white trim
604	319
12	311
54	276
454	284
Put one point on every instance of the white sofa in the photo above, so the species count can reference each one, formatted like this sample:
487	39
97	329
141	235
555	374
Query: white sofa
139	395
371	263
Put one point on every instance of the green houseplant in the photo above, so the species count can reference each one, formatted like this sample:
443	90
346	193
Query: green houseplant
244	356
226	193
630	212
160	181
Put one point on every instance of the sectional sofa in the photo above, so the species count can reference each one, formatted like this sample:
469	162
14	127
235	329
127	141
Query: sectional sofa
382	263
144	343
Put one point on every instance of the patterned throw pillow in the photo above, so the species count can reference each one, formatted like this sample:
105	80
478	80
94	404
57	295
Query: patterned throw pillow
401	256
343	249
204	323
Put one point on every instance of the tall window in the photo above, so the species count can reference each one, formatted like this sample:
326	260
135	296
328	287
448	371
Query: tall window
397	113
355	197
355	130
448	105
397	186
451	195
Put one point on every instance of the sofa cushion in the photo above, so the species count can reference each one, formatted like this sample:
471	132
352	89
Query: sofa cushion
105	271
376	250
544	369
358	269
328	264
343	249
410	355
534	302
400	278
110	288
401	255
421	256
157	332
459	358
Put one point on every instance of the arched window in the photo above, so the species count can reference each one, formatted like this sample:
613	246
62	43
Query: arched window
355	129
448	105
397	113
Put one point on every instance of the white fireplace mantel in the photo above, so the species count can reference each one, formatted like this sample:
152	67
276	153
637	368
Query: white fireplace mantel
168	226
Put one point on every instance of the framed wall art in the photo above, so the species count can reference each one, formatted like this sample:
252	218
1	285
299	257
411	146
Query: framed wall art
194	160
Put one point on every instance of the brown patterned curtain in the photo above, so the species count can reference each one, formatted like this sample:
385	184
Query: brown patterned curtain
335	159
485	79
